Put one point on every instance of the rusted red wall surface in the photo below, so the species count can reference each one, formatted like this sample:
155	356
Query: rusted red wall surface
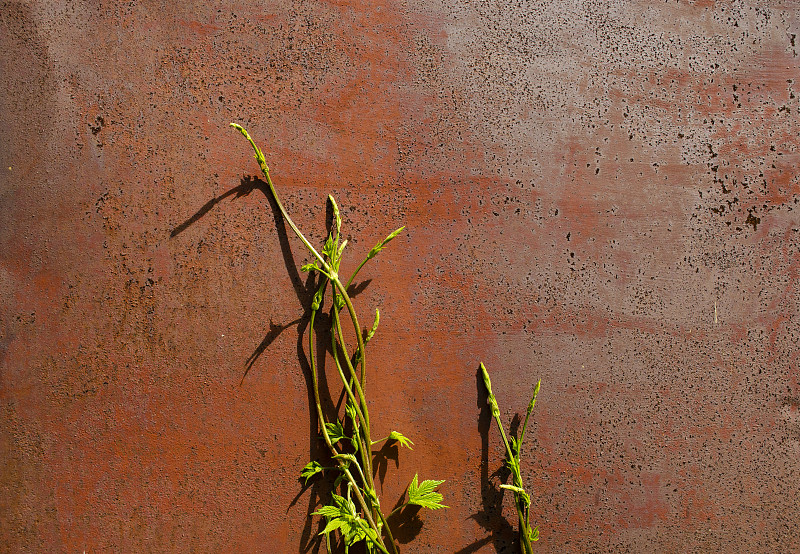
603	195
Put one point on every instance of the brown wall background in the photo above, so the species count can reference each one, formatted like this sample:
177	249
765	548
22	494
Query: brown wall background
603	195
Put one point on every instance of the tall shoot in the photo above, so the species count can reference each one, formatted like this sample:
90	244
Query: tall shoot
354	514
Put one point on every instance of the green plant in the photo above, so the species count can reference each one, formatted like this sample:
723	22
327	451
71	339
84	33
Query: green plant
522	501
356	513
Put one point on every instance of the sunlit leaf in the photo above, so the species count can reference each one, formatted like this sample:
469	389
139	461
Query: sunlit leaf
403	440
424	494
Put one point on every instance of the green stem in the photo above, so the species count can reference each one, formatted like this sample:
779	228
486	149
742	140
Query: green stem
365	421
321	417
388	531
400	507
337	323
356	327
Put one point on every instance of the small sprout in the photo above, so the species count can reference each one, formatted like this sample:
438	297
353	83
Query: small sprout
399	437
374	326
382	244
336	215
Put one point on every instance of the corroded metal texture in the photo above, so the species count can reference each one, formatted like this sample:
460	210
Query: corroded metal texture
603	195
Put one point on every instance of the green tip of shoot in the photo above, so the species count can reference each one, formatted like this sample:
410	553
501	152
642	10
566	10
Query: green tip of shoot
336	215
535	394
486	380
382	244
262	162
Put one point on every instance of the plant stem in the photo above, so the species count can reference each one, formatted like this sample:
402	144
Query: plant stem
360	403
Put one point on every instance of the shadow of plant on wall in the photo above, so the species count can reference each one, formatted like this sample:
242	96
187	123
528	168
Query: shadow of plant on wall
354	515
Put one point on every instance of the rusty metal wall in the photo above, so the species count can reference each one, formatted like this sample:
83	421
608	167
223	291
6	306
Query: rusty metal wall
603	195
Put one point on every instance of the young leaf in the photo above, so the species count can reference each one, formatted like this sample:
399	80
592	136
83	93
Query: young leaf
335	431
341	249
311	266
342	516
404	441
520	492
311	469
534	535
328	248
424	494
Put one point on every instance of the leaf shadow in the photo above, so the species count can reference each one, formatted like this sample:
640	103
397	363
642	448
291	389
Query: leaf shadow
389	451
304	290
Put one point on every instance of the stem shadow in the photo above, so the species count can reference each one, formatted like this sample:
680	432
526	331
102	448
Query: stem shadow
490	517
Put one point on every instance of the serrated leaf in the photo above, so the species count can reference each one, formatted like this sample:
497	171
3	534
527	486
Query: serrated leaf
335	431
403	440
424	494
327	511
342	516
333	525
311	469
311	266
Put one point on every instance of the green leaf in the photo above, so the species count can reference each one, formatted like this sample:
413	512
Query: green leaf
350	410
310	266
328	511
338	301
329	249
534	535
333	525
335	431
382	244
342	516
311	469
424	494
403	440
346	457
341	249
